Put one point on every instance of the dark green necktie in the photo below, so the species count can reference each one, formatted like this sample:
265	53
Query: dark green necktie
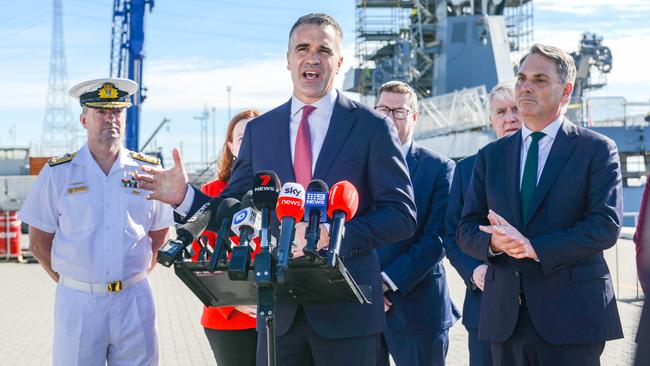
529	181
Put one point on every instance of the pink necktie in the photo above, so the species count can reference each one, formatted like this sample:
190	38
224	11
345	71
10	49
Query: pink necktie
302	153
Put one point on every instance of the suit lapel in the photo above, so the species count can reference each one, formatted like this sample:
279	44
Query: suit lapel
557	157
285	164
412	159
341	122
513	162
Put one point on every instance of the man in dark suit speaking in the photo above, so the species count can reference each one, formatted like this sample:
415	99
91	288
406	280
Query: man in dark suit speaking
319	133
419	311
542	221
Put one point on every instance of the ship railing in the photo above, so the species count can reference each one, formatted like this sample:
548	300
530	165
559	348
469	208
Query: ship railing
462	110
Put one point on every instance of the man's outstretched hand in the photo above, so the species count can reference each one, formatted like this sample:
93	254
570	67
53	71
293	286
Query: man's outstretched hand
166	185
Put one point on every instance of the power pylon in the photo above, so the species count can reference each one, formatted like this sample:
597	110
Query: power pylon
60	134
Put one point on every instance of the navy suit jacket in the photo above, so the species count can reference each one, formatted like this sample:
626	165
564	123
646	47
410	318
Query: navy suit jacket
362	147
576	215
463	263
421	304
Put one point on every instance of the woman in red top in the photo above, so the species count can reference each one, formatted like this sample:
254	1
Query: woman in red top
230	330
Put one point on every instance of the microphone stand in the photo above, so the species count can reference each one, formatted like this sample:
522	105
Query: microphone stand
264	279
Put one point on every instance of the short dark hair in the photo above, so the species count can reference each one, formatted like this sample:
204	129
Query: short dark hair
566	67
317	19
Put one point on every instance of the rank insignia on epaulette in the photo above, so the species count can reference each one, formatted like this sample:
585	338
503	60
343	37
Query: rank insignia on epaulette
61	159
146	158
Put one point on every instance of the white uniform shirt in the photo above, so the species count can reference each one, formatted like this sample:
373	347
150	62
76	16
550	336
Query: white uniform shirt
100	227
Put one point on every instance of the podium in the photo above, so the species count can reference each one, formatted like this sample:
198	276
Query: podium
304	282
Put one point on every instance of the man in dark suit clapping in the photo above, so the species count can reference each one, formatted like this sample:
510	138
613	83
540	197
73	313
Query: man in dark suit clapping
542	221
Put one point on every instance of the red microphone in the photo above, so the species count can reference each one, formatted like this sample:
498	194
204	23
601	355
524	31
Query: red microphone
342	206
290	209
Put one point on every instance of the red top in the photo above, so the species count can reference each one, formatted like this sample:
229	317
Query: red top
225	317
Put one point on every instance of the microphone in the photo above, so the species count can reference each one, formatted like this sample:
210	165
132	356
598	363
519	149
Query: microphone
226	210
188	232
245	224
266	188
290	209
342	205
196	225
315	213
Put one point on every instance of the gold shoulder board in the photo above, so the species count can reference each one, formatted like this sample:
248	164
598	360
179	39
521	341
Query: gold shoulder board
146	158
61	159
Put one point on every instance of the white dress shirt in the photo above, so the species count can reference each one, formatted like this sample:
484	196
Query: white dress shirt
545	144
319	122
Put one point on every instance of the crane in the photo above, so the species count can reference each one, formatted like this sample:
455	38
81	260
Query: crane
127	41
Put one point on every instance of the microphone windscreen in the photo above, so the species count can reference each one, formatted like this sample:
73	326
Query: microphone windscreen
226	209
266	188
247	200
317	185
316	199
343	197
291	201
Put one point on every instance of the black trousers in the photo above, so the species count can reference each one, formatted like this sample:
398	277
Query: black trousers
525	347
302	346
233	347
479	350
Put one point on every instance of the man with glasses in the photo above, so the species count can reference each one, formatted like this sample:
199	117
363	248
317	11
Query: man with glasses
418	309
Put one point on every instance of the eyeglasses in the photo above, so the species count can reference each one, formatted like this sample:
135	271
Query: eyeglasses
398	113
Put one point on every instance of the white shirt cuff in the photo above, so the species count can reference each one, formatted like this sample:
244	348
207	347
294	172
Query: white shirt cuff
185	206
493	254
388	281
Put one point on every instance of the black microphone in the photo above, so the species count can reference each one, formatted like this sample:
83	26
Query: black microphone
245	224
196	225
315	213
266	188
188	232
226	210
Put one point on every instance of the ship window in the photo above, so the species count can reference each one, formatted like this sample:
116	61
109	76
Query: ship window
635	163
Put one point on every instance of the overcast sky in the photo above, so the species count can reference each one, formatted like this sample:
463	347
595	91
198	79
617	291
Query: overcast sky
195	48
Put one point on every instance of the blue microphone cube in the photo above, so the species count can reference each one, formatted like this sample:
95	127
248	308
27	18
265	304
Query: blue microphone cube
316	201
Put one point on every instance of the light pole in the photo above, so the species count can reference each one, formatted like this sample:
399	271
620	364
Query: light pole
228	90
214	132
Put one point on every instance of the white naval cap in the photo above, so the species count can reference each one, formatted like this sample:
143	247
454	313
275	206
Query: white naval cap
105	93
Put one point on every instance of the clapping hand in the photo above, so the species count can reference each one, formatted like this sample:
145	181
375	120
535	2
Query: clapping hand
505	238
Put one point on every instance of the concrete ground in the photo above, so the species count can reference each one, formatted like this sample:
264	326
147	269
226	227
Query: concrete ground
27	295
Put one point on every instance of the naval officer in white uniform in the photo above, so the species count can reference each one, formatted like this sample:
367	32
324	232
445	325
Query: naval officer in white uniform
95	233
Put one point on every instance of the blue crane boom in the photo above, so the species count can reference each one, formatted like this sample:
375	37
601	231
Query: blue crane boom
127	41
